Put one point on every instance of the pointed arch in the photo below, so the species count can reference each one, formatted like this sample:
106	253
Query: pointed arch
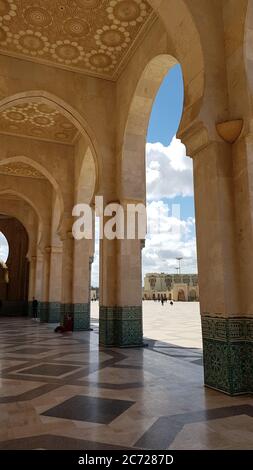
64	108
134	143
86	184
41	169
185	43
30	202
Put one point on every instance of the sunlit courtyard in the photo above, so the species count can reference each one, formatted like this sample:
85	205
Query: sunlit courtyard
178	324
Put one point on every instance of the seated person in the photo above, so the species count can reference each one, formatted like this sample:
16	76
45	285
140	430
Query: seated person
67	325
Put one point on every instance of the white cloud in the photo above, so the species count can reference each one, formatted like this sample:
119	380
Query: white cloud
169	171
172	238
169	174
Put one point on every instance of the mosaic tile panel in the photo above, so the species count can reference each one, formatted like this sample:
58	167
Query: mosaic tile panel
80	314
54	312
120	326
43	311
227	351
49	312
30	309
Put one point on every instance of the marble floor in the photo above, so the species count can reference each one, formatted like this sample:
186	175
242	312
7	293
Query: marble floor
61	391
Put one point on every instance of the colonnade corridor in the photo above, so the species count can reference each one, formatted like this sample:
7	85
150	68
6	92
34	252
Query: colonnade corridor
83	156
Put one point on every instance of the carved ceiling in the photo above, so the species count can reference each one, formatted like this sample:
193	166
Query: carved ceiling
20	169
37	120
89	36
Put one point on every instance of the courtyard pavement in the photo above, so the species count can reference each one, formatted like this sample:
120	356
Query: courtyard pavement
178	324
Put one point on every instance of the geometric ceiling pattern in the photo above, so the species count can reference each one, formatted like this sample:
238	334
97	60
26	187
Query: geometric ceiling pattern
95	37
20	169
37	120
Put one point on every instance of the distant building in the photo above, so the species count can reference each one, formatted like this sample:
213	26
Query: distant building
177	287
94	293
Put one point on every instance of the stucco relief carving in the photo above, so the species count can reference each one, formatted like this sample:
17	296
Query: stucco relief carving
38	120
20	169
92	36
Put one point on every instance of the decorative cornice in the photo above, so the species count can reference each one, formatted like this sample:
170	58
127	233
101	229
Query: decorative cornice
195	139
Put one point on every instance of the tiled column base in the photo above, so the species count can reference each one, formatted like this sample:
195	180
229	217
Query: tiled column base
30	309
54	312
80	314
49	312
228	354
120	326
42	312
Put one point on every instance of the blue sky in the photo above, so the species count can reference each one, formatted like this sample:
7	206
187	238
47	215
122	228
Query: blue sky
167	109
169	183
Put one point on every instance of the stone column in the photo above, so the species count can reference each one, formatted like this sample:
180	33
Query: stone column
44	304
81	284
39	280
55	285
242	327
67	274
120	313
32	281
243	182
224	325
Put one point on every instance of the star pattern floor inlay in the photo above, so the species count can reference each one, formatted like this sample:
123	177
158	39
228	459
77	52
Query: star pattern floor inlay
59	392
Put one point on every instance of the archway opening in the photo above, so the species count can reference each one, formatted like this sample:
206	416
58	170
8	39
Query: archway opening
169	256
84	253
4	248
14	278
95	284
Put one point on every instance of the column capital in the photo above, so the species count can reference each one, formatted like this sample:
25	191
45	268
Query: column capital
53	249
230	131
68	235
40	256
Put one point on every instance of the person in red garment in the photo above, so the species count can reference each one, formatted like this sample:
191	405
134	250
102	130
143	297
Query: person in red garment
67	325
